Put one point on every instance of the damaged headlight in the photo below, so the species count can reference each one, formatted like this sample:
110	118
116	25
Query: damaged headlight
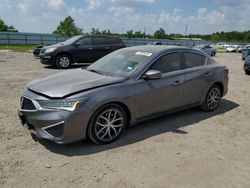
69	105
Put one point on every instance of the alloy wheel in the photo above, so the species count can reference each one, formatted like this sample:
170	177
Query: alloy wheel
64	62
109	125
213	98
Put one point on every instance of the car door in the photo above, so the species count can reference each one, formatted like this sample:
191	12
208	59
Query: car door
209	50
101	48
84	50
197	78
155	96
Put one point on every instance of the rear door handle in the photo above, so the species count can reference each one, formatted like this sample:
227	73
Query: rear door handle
90	48
208	74
178	82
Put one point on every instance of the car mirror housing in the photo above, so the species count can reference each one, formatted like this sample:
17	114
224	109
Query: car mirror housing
152	75
77	45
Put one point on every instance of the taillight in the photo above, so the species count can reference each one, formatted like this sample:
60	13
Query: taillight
226	71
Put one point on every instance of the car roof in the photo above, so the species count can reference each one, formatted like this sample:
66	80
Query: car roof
96	35
157	49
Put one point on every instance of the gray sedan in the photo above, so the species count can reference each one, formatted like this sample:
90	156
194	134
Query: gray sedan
206	49
125	87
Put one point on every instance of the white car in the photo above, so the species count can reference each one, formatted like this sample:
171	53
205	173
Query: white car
232	48
221	45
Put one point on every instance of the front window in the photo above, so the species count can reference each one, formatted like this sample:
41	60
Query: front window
120	63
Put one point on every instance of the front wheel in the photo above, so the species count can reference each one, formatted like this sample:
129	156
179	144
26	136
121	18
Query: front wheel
63	61
213	54
107	124
212	99
247	72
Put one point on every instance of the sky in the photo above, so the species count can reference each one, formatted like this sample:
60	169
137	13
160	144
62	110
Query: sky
201	16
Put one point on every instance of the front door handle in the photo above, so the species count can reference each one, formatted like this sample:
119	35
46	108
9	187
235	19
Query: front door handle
107	48
178	82
208	74
90	48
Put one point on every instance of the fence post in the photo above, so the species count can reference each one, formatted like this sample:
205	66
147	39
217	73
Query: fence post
8	38
41	42
25	39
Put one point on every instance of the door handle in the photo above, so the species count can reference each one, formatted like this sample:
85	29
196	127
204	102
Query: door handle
208	74
90	48
178	82
107	48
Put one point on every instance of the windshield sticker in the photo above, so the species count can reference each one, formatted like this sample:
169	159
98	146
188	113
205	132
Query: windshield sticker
144	54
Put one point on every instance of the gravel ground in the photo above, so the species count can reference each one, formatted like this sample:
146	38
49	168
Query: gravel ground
186	149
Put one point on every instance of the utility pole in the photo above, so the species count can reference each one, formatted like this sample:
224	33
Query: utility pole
186	30
144	35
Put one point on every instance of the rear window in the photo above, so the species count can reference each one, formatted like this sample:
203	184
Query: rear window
99	40
113	40
194	60
106	40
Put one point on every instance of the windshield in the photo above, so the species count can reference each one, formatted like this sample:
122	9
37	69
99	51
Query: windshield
198	47
120	63
71	40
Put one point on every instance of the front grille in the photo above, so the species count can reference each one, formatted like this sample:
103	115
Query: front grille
56	131
42	50
27	104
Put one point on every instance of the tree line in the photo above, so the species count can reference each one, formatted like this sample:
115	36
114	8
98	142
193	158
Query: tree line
67	27
4	27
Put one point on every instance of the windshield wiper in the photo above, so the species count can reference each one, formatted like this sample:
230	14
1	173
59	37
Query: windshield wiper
95	71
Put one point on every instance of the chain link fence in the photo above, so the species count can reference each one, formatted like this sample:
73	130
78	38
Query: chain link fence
47	39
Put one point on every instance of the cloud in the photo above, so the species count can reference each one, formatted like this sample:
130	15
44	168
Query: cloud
94	4
30	6
123	15
5	4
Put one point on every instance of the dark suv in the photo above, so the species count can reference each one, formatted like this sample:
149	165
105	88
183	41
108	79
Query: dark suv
79	49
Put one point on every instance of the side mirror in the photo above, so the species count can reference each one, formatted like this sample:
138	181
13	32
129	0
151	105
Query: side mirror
77	45
152	75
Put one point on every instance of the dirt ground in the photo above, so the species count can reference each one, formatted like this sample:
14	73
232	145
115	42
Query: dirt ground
186	149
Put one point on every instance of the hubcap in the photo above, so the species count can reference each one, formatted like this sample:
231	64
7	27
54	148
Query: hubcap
64	62
213	98
109	125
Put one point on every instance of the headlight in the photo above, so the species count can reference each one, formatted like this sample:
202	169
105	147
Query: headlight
69	105
49	50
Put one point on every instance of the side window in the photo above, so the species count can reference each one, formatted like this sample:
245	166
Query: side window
168	63
194	60
99	40
112	40
85	41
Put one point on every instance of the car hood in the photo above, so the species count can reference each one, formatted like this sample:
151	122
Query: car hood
70	82
57	45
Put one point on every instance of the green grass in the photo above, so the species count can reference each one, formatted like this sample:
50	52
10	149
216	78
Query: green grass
17	47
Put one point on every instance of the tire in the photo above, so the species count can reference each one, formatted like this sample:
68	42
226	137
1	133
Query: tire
213	54
212	99
63	61
247	72
107	124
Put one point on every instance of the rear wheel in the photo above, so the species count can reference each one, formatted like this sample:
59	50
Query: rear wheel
63	61
247	72
212	99
107	124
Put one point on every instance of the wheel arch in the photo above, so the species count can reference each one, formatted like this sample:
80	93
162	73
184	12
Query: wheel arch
221	86
65	53
119	103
